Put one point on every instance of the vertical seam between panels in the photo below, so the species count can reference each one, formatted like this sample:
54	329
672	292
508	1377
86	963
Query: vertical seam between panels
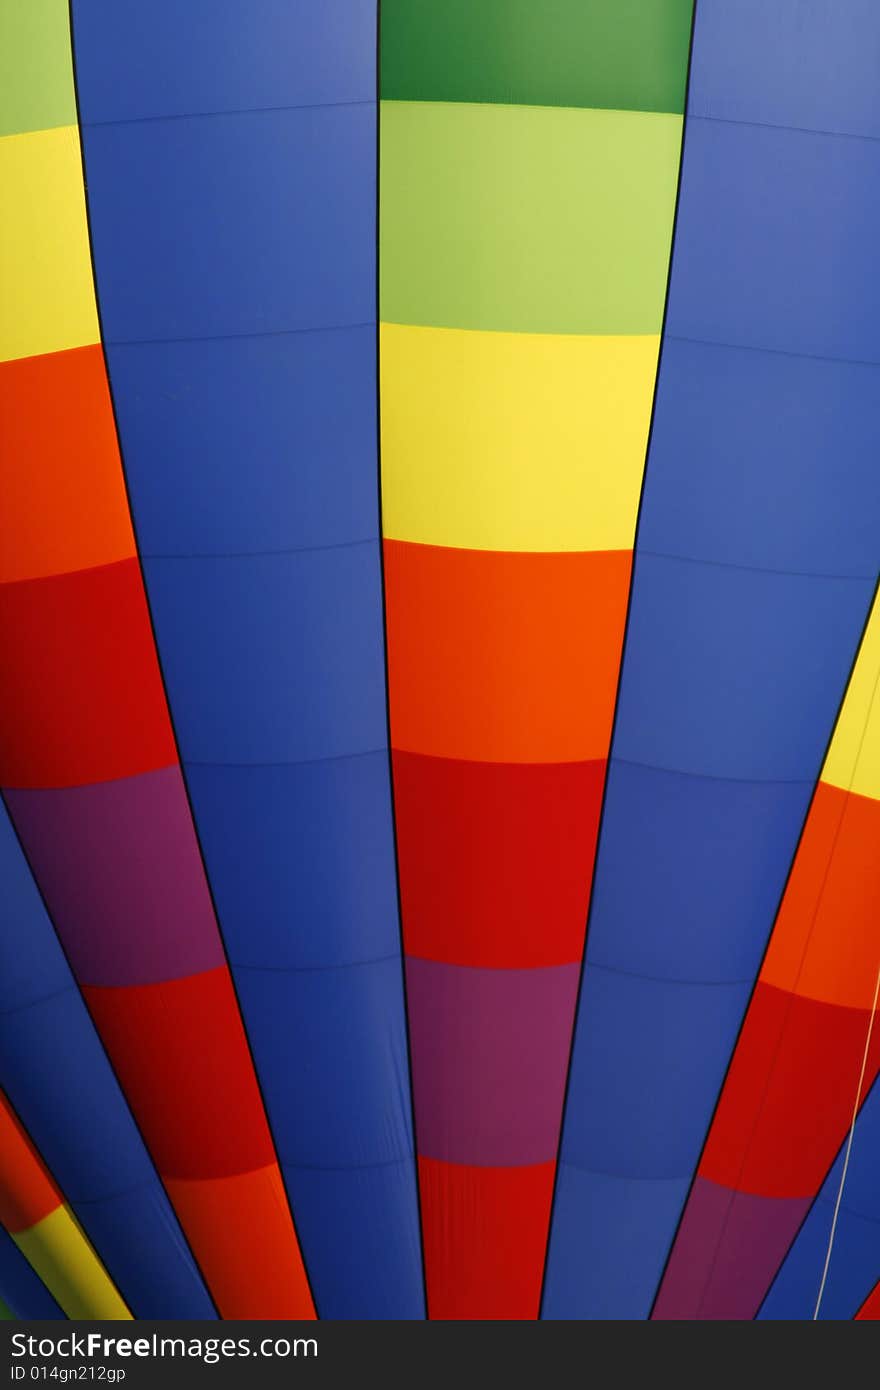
814	1200
791	994
760	967
6	1235
875	1288
113	1072
161	669
65	1203
378	268
582	971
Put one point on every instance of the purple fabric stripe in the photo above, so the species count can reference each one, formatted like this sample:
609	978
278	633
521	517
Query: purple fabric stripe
727	1253
489	1053
122	875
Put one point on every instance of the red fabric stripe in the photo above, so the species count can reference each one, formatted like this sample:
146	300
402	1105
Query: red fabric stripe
27	1192
770	1136
870	1309
182	1057
485	1231
495	858
81	698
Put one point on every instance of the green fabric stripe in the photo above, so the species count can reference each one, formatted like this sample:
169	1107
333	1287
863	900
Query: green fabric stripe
526	219
36	78
621	54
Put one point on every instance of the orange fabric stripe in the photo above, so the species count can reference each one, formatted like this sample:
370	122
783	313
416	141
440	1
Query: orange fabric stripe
242	1229
826	944
27	1192
501	656
64	503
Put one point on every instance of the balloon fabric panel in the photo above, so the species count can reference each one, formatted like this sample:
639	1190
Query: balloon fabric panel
82	700
526	209
754	572
248	430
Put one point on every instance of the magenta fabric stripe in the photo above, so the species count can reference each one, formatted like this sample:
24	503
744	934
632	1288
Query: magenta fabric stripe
489	1049
741	1239
120	868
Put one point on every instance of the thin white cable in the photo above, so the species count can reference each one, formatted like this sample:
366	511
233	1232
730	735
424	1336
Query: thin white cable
852	1130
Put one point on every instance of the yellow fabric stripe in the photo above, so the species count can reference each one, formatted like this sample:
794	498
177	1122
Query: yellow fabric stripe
853	760
45	270
513	441
60	1253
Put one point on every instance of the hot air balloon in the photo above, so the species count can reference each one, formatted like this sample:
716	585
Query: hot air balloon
439	659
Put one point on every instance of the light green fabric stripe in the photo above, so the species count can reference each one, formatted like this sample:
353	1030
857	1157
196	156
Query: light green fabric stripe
526	219
36	77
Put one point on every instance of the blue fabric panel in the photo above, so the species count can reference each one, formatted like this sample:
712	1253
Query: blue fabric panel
358	1199
277	434
855	1254
333	1043
755	566
774	247
274	658
57	1076
622	1214
694	833
231	159
20	1288
715	653
820	74
740	452
352	1020
146	1211
317	835
648	1057
201	227
214	55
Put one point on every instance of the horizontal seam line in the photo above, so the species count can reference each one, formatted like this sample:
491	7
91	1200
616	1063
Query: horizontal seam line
312	969
86	786
498	1163
517	333
756	569
238	337
827	1201
772	351
71	988
227	111
793	129
534	106
717	777
146	1184
491	969
290	762
347	1167
509	761
502	762
620	1177
666	980
99	567
256	554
